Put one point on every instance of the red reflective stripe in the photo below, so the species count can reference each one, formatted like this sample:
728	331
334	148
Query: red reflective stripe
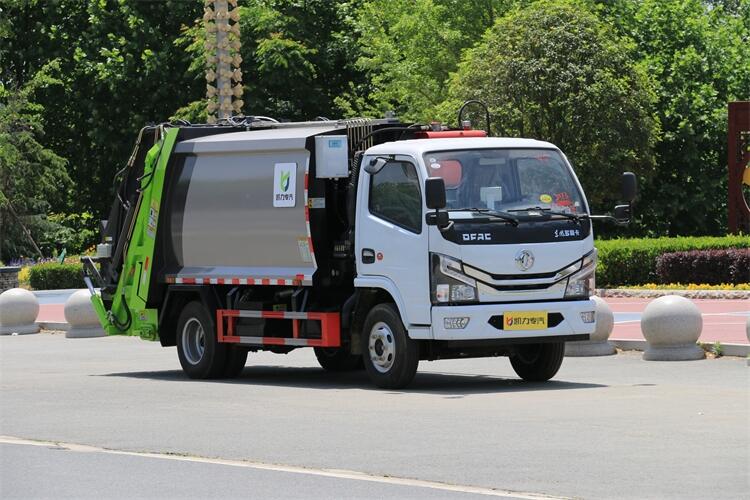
307	214
306	181
170	279
145	266
188	281
309	243
273	341
220	281
272	314
235	281
265	281
206	281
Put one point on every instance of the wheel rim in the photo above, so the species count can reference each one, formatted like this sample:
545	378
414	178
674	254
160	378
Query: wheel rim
193	341
382	347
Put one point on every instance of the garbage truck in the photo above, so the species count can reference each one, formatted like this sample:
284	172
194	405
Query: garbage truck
377	243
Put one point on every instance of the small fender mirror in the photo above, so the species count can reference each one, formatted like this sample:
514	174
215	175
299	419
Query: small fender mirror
375	165
434	188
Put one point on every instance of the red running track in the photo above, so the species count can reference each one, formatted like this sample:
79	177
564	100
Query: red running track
723	320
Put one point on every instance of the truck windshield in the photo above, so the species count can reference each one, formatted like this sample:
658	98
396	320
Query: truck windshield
506	179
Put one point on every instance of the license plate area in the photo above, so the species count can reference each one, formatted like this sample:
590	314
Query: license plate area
525	320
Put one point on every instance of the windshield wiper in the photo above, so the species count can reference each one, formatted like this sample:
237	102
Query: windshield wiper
486	211
549	211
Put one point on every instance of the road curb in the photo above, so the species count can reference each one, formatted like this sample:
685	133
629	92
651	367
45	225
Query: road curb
740	350
54	325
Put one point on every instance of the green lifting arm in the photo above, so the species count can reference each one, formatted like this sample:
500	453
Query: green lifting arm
129	314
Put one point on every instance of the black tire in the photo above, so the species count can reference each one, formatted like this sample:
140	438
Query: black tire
334	359
398	370
236	359
538	362
211	360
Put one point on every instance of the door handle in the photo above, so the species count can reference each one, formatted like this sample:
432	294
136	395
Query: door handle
368	256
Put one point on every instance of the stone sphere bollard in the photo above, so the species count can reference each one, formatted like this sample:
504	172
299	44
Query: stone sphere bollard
18	311
80	315
671	326
599	344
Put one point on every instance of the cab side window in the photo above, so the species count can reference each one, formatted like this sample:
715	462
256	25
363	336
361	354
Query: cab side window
395	195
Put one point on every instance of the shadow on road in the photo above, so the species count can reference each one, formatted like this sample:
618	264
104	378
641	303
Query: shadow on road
450	384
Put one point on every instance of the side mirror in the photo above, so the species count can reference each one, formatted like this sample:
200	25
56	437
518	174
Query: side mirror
434	189
629	187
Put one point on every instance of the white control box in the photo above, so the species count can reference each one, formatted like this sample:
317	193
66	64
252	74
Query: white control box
331	156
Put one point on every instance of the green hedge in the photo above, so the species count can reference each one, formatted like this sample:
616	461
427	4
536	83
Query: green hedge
625	262
53	276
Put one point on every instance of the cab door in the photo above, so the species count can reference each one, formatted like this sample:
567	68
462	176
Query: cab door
391	235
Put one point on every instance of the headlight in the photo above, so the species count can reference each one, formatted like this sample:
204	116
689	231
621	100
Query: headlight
449	283
583	283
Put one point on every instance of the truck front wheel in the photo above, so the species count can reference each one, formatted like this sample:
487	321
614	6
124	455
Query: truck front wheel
538	362
390	356
201	355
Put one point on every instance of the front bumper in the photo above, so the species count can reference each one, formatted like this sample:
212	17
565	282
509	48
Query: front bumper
479	326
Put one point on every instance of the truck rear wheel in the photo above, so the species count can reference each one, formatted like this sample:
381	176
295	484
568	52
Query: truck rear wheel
334	359
538	362
390	356
201	355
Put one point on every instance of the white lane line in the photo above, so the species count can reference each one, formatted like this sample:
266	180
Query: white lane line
333	473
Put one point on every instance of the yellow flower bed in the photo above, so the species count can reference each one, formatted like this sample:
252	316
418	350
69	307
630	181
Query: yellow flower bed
690	286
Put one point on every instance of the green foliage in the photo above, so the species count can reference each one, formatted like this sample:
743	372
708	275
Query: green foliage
408	50
54	276
625	262
698	55
553	71
73	232
297	57
117	69
33	178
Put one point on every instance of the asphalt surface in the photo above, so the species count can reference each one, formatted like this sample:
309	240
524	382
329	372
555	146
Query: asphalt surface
611	427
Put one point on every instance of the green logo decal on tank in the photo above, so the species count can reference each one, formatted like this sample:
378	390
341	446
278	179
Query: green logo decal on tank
284	184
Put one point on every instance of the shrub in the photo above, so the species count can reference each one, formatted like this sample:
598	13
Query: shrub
52	276
625	262
705	266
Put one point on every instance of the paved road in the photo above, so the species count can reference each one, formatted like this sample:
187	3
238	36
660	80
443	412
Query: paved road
611	427
58	472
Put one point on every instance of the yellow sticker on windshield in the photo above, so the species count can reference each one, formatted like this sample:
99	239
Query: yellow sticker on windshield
545	198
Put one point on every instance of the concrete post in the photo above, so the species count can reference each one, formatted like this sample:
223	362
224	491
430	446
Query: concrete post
599	344
18	311
672	325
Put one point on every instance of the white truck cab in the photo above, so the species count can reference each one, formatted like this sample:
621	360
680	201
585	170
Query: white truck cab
515	259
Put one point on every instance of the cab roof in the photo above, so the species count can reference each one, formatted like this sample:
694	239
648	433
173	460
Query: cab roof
420	146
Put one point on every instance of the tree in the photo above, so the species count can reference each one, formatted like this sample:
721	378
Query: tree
554	71
410	47
118	71
298	57
32	178
698	54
